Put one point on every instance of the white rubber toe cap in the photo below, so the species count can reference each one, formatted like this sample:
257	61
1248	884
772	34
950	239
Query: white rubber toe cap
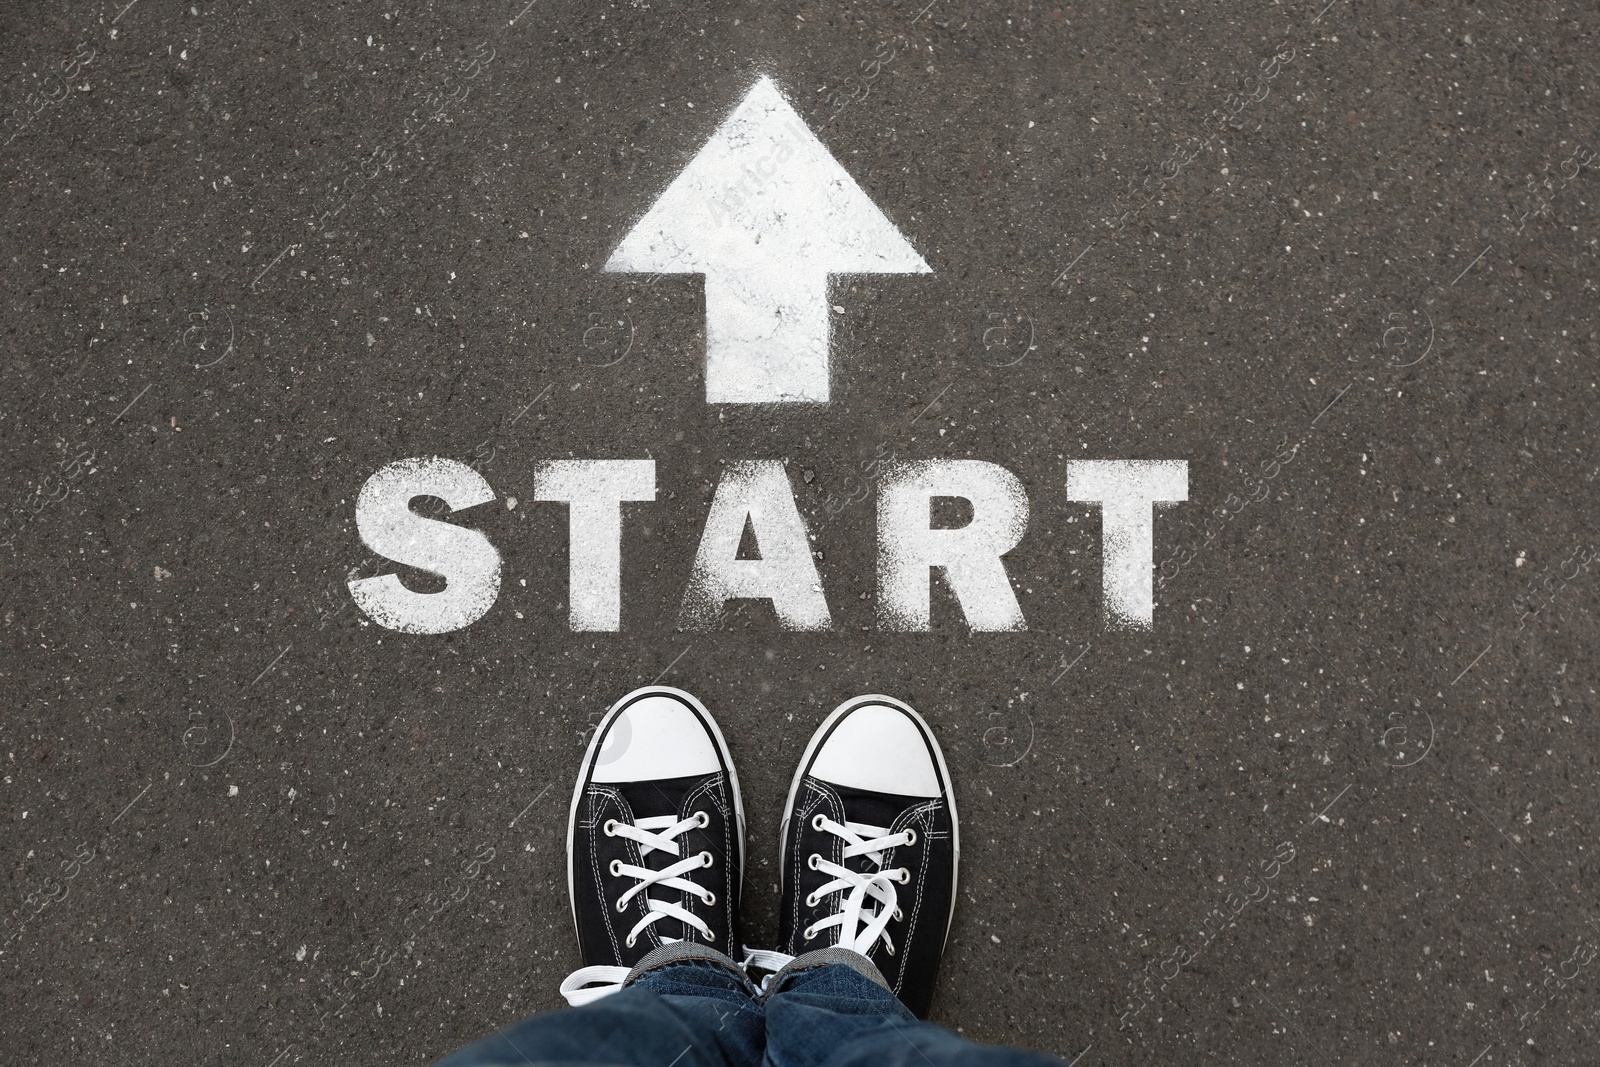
878	748
652	738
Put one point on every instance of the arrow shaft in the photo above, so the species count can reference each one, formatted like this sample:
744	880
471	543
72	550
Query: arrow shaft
766	337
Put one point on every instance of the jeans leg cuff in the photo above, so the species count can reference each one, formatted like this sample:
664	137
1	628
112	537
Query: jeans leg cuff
682	952
822	957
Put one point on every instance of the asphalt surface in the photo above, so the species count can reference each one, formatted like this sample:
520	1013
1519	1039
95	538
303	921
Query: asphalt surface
1337	806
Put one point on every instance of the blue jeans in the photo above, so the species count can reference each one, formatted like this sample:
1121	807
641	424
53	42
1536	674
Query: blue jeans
703	1012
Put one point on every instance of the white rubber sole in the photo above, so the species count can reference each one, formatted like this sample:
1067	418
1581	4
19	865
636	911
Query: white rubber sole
587	766
944	775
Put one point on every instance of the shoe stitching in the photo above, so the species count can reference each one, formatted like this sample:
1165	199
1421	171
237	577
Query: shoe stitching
922	813
713	789
830	796
802	815
614	796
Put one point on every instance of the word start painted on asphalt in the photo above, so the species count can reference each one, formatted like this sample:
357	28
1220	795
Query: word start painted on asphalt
767	215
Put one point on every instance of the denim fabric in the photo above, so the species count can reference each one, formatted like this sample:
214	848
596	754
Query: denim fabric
702	1013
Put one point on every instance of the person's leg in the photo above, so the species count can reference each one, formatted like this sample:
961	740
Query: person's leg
869	863
655	858
832	1007
871	846
683	1004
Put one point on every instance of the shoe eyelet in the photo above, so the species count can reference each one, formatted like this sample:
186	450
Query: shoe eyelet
702	819
904	875
710	899
808	933
630	941
621	907
610	828
811	900
706	859
616	868
899	916
911	837
814	861
816	822
888	947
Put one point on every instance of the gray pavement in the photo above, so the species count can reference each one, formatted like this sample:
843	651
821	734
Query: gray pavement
1337	805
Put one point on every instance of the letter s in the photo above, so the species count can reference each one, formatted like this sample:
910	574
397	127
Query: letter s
464	558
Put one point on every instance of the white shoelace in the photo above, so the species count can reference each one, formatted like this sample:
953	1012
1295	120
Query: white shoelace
859	927
657	833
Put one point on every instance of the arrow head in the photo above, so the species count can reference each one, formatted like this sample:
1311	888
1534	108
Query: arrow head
765	192
766	213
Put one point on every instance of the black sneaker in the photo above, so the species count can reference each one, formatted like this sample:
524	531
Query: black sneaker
870	846
655	842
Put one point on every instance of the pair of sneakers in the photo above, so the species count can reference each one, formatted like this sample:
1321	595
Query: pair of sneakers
867	853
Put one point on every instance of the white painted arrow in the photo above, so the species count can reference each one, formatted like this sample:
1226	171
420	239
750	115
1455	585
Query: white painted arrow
766	214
